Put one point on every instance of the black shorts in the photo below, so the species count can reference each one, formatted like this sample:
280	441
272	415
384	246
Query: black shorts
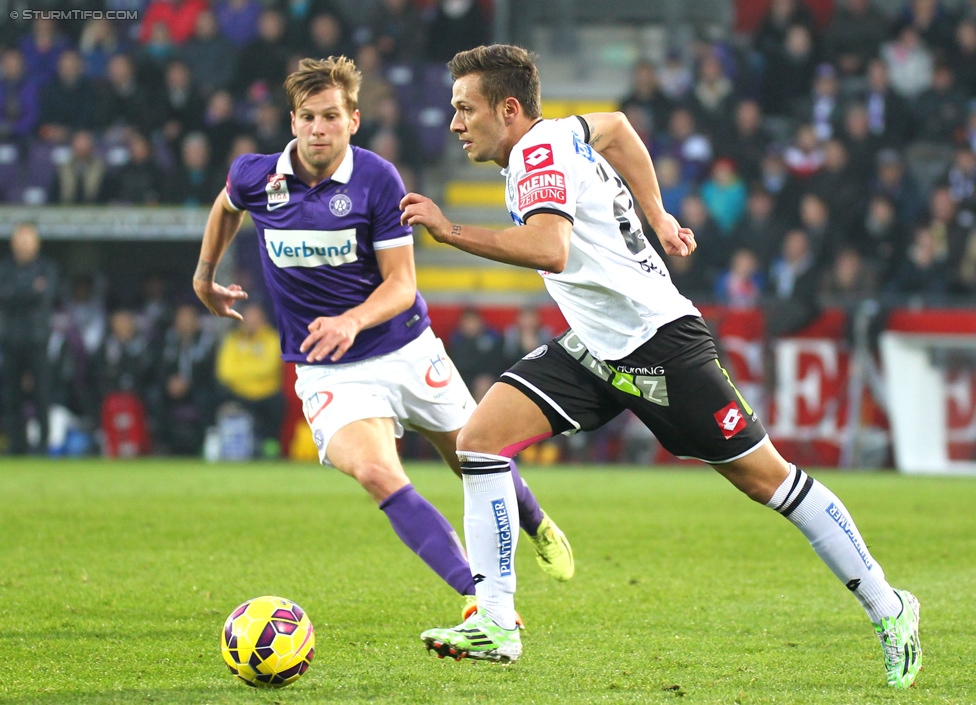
674	383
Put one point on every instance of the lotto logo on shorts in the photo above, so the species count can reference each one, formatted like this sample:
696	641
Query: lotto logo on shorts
730	420
538	157
544	187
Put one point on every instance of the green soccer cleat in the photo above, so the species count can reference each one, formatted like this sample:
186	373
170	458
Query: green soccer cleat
478	637
553	552
471	606
899	641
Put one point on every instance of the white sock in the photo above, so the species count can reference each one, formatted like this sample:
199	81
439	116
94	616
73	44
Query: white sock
825	521
491	530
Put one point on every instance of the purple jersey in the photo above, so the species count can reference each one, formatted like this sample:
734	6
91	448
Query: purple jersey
318	245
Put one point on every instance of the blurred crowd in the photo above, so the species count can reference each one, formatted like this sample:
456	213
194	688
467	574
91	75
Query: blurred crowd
830	159
147	111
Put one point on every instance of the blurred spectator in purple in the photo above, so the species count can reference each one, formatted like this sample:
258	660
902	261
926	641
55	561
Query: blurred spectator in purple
724	195
178	16
741	285
185	383
647	97
675	76
804	156
221	126
81	179
139	181
760	230
476	351
854	36
889	113
525	335
962	175
397	29
921	272
849	277
455	25
238	19
930	19
180	105
211	57
28	290
197	176
270	128
262	63
835	183
941	110
685	143
674	187
748	140
962	55
788	75
822	108
327	36
100	41
794	279
884	237
909	63
893	180
85	308
66	102
389	120
122	101
41	48
713	97
780	183
20	97
862	146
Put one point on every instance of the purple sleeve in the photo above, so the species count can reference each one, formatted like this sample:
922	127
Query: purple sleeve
385	197
236	178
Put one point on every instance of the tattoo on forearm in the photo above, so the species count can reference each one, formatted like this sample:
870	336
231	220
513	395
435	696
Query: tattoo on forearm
594	138
455	230
205	271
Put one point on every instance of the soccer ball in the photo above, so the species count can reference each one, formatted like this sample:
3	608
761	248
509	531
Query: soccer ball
268	642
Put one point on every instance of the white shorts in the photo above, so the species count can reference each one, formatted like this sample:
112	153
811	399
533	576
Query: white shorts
417	386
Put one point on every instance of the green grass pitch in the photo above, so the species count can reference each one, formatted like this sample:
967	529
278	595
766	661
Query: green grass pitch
115	579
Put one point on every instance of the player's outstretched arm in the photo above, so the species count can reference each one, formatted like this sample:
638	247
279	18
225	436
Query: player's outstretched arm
612	135
222	225
542	243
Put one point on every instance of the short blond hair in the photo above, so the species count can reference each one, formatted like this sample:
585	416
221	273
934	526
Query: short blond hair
316	75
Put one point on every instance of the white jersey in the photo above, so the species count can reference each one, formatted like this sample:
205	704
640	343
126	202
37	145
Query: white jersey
615	291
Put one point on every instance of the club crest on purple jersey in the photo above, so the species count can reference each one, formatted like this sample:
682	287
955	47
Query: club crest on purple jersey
340	205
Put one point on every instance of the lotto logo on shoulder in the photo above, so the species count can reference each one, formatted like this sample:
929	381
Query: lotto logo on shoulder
538	157
730	420
544	187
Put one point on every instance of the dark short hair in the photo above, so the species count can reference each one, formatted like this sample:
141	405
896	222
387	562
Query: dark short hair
506	71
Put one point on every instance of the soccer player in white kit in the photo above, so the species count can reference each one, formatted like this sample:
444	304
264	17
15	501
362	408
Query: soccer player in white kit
634	343
339	269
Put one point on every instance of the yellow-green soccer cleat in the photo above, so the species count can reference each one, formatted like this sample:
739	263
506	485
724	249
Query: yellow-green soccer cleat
553	552
899	641
478	637
471	606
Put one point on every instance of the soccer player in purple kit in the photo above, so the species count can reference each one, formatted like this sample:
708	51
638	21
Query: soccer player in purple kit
340	271
634	343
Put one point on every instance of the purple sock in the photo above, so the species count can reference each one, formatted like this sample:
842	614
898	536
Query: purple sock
428	534
530	513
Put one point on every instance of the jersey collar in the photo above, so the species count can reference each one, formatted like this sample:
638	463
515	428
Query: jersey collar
342	173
